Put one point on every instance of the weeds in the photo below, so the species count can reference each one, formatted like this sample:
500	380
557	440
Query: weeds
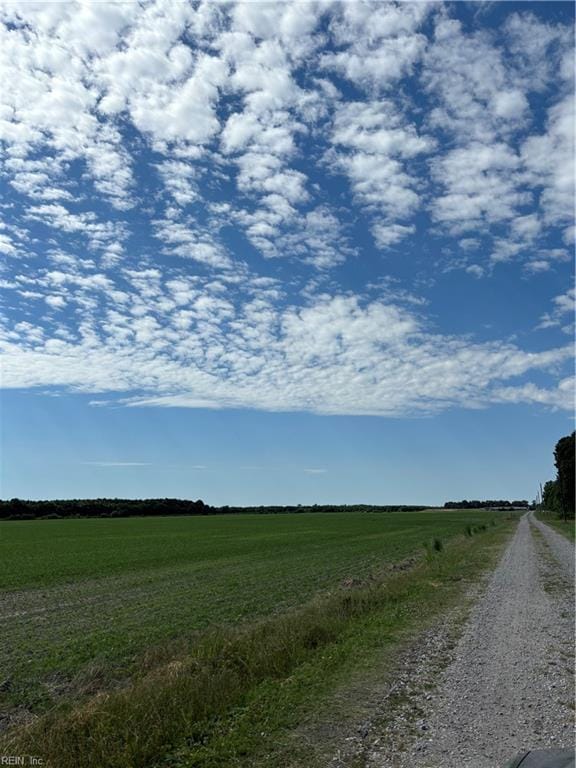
433	548
136	725
470	530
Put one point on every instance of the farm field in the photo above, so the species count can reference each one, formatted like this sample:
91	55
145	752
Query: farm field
46	553
76	591
85	600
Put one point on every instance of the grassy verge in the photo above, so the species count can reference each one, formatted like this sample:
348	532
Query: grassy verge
566	527
235	697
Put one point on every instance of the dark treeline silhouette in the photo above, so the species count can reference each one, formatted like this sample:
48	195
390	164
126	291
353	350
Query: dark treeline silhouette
488	503
558	494
276	510
19	509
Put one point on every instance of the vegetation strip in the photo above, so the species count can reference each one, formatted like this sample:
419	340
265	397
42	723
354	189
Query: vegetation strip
189	704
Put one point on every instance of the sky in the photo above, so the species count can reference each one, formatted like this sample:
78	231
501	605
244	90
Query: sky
287	252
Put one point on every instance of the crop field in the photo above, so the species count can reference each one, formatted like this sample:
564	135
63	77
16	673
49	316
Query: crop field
84	603
97	592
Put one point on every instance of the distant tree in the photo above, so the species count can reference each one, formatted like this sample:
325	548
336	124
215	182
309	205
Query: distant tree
565	478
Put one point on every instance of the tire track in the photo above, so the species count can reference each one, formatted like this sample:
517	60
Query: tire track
561	548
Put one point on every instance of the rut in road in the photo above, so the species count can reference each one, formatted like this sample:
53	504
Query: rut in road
510	684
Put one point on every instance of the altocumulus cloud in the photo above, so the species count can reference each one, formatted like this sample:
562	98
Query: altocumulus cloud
203	197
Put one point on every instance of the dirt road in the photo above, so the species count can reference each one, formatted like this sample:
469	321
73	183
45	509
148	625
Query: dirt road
509	684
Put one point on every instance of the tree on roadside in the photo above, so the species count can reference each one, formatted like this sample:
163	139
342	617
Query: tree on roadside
550	501
565	478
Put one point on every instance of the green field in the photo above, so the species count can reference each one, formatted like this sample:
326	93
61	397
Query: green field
57	552
99	591
90	602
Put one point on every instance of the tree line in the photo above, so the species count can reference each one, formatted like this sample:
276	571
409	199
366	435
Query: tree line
558	495
20	509
488	503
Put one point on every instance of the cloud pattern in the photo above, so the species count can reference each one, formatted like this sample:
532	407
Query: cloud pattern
186	183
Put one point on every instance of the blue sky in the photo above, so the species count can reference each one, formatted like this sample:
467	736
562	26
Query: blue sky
286	252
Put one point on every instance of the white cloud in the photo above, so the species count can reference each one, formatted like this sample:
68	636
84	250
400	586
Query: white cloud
337	354
56	302
317	238
180	179
182	112
500	169
101	235
476	270
480	97
481	187
151	147
48	101
386	235
537	265
376	43
261	136
510	105
541	52
563	305
7	246
549	162
373	144
560	397
184	239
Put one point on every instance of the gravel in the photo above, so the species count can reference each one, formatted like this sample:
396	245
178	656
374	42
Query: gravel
561	548
508	682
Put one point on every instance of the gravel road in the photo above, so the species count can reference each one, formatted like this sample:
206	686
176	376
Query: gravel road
561	548
509	685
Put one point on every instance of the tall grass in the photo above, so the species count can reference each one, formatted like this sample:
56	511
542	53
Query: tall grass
470	530
433	547
132	727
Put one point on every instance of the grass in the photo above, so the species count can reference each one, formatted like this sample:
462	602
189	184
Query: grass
233	698
49	552
86	599
566	527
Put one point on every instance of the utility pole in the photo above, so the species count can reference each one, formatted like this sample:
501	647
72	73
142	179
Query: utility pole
541	498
